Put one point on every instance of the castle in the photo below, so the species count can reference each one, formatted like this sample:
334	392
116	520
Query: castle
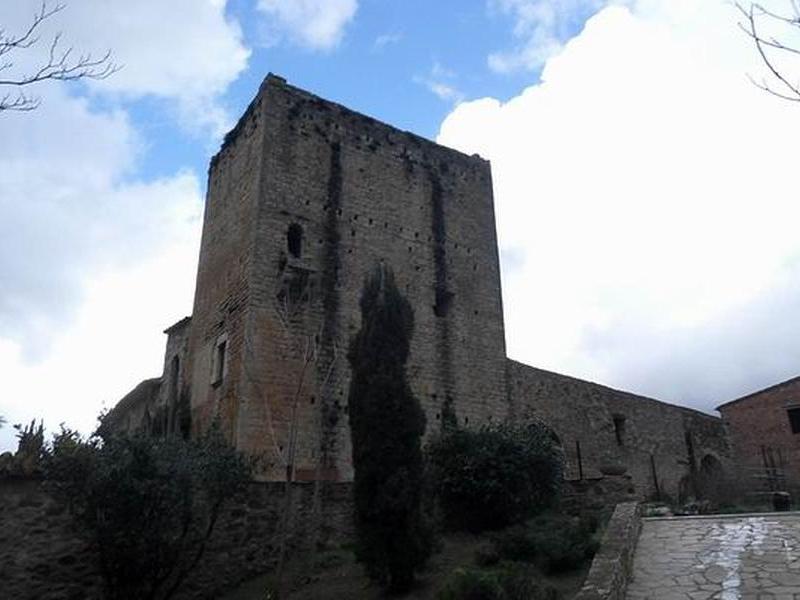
304	198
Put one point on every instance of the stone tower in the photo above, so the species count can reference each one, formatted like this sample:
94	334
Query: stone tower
305	197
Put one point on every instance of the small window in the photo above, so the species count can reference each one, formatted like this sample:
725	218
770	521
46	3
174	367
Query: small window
294	240
219	366
619	429
794	419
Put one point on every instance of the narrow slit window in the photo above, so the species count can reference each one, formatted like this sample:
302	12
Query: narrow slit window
619	429
294	240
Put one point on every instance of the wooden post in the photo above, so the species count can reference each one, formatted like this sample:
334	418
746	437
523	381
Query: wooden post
655	476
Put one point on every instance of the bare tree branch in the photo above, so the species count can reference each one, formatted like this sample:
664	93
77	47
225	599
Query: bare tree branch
786	90
60	65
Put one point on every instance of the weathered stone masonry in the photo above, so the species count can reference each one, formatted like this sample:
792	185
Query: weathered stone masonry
356	193
45	557
304	199
660	444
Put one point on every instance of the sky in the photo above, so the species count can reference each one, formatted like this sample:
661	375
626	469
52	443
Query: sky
644	187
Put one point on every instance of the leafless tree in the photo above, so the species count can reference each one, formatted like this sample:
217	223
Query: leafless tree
61	63
304	361
759	23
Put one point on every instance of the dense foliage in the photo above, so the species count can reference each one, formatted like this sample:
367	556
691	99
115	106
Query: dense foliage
386	424
495	476
149	503
554	542
506	582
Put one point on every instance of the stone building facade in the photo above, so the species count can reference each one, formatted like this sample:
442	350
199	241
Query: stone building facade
304	199
602	429
764	429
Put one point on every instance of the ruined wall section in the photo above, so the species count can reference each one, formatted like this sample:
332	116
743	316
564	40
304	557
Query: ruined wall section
134	412
362	193
222	290
656	441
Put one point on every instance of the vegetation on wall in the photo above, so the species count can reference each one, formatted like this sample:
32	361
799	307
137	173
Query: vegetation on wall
386	424
495	476
149	504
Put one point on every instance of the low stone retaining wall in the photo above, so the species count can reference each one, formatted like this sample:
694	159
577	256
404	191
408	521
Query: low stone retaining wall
612	565
43	556
597	494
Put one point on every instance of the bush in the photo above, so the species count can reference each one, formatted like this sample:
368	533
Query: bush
31	450
149	504
555	542
495	476
472	584
508	582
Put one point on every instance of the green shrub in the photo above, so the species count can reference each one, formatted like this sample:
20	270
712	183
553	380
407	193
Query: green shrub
555	542
149	504
487	556
516	543
494	476
472	584
508	582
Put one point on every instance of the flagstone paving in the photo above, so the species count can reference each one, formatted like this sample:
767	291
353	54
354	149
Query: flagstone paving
726	558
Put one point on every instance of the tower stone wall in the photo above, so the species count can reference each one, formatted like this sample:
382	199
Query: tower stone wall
304	199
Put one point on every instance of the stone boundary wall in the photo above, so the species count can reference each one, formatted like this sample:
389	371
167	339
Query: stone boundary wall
659	445
43	556
612	565
598	495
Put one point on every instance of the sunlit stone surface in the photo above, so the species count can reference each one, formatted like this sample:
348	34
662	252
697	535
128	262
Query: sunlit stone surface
725	558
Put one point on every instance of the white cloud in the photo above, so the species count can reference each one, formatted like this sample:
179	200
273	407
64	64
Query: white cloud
113	342
187	51
96	257
645	189
441	82
316	24
93	262
70	209
540	27
386	39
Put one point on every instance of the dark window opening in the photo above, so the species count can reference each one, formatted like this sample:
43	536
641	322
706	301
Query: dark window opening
794	419
294	240
619	429
219	362
443	301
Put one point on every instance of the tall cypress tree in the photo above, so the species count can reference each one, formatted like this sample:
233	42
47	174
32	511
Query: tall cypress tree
386	426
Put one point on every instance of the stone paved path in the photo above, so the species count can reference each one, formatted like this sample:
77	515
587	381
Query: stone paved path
725	558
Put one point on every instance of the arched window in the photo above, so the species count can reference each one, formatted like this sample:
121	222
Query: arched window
710	466
294	240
